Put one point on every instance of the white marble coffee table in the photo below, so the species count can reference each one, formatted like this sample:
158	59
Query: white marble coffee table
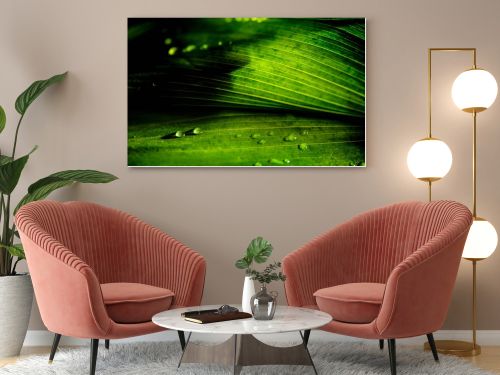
242	348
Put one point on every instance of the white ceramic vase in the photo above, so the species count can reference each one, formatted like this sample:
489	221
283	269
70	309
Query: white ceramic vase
248	292
16	298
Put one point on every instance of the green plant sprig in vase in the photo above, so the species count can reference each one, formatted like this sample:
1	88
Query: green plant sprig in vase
259	250
269	274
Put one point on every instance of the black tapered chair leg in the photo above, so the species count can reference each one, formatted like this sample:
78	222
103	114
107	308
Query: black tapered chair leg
432	344
381	344
106	344
307	333
55	344
94	346
392	355
182	339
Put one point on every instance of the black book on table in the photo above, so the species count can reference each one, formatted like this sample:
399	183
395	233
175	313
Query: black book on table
214	316
197	312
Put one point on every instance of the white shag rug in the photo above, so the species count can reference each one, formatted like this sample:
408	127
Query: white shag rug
162	357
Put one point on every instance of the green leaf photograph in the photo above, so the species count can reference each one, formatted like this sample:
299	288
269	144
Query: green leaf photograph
262	92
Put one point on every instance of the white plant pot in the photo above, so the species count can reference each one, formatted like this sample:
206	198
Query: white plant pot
16	298
248	292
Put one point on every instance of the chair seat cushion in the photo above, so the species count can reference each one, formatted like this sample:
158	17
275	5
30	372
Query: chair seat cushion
135	303
351	303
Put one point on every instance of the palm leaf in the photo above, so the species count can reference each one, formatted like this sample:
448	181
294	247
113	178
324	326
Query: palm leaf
10	172
43	187
29	95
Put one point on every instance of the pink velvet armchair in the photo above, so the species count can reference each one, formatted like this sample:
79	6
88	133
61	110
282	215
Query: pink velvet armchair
385	274
99	273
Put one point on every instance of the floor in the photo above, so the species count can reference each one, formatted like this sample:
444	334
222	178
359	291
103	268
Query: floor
488	360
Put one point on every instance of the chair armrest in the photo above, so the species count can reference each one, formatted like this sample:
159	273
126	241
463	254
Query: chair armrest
165	262
419	289
321	263
67	290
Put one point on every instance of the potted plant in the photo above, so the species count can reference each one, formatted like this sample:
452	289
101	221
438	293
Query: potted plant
258	251
16	291
263	304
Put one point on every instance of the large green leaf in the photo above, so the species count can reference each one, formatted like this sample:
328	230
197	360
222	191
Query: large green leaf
259	250
270	92
43	187
75	175
29	95
246	138
10	172
3	119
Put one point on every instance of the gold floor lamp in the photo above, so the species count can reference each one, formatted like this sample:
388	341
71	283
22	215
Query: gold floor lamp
430	159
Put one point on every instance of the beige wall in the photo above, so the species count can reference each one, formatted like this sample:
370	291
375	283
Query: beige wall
83	124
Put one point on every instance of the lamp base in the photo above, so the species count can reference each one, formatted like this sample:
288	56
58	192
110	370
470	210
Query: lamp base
456	348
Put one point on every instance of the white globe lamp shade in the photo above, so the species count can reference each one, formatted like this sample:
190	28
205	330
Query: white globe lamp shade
481	241
474	90
429	159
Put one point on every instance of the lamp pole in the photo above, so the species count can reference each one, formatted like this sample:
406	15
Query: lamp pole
429	96
454	347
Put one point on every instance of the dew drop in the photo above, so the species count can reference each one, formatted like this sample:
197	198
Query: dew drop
258	164
255	135
172	51
305	132
276	161
286	161
194	131
290	138
237	136
177	134
270	133
261	142
189	48
303	146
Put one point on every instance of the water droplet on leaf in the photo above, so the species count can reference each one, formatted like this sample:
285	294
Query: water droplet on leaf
177	134
255	135
172	51
261	142
276	161
290	138
189	48
303	146
194	131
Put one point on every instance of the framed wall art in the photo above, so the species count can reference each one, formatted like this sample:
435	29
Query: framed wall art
282	92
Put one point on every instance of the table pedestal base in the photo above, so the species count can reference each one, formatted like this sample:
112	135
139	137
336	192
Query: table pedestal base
246	350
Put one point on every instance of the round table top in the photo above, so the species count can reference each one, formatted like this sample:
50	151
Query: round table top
286	319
